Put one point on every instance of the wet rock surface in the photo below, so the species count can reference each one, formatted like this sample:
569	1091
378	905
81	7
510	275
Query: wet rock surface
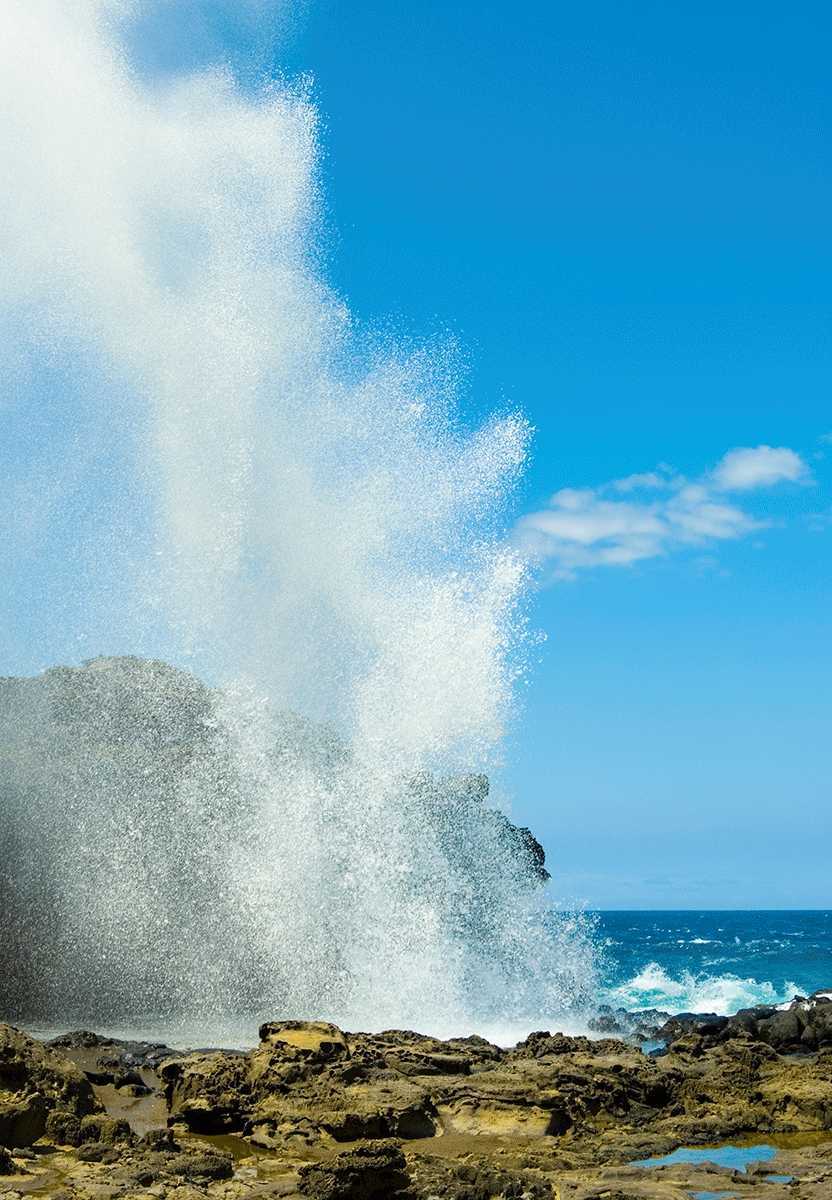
320	1113
801	1026
34	1083
113	1057
371	1172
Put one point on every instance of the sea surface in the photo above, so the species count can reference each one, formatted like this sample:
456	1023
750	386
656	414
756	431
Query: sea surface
678	961
713	961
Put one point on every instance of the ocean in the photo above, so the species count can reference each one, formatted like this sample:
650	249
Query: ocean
713	961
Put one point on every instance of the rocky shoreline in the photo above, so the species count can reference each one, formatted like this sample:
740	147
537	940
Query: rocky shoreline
314	1112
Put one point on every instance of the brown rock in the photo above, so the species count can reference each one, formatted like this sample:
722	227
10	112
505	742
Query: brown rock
33	1082
373	1172
99	1127
63	1127
435	1177
7	1164
210	1093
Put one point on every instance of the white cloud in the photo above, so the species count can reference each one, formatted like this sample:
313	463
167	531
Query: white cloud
646	479
759	466
583	528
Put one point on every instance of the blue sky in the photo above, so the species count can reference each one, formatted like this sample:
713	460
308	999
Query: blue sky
621	212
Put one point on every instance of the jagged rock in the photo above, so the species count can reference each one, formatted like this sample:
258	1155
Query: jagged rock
110	1061
7	1164
309	1083
209	1093
63	1128
436	1177
311	1041
160	1140
310	1086
83	1039
97	1152
109	1130
213	1164
555	1115
544	1045
804	1025
22	1119
682	1024
412	1054
375	1172
33	1082
113	1058
304	1082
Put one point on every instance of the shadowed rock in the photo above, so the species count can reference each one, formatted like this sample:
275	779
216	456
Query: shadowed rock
35	1082
373	1172
802	1026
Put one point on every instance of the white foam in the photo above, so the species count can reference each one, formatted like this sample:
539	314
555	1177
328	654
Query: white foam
654	987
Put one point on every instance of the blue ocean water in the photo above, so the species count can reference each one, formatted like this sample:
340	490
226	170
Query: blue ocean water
713	961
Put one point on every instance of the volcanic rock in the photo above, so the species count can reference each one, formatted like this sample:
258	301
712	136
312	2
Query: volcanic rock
317	1113
34	1081
310	1083
374	1172
7	1164
802	1026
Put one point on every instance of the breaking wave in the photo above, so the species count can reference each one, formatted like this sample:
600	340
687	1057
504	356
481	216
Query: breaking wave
654	987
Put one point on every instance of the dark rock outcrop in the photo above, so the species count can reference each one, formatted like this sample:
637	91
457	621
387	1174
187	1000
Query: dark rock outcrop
374	1172
115	1061
7	1164
802	1026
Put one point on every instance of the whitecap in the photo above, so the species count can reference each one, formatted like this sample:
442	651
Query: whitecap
654	987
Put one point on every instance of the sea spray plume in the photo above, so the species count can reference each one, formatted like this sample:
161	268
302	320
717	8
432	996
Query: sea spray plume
164	229
328	539
176	855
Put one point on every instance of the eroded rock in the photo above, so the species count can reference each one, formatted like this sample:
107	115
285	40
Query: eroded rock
321	1113
34	1081
800	1027
7	1164
374	1172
